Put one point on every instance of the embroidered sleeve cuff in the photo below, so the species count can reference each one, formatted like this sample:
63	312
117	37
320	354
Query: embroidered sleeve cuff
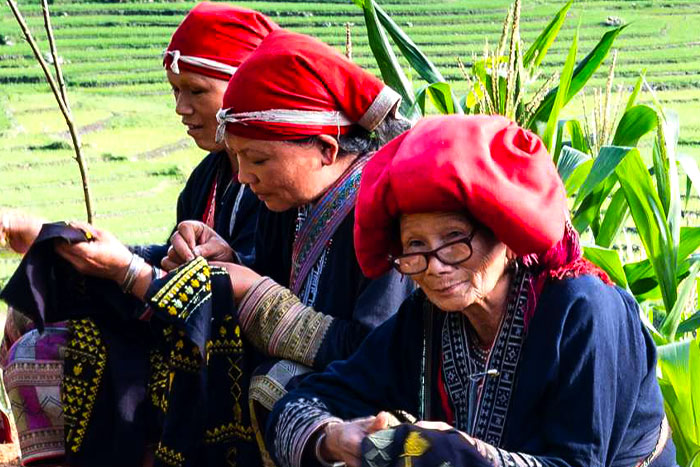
277	323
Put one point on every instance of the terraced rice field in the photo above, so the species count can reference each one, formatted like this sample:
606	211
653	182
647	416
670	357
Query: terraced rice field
138	153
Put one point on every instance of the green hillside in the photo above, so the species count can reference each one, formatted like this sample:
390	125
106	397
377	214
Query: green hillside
138	153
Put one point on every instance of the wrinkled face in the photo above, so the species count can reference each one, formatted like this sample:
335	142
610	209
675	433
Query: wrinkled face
453	288
197	99
282	174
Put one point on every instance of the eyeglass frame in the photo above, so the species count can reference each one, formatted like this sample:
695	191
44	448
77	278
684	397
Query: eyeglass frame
433	253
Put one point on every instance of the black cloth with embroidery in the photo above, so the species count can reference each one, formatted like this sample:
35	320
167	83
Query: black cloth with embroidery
205	420
396	447
103	397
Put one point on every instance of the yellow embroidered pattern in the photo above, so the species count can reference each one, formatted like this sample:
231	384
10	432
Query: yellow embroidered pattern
415	445
158	381
169	456
85	361
186	291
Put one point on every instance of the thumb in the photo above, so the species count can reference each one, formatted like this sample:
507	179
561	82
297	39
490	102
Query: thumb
210	250
189	231
380	422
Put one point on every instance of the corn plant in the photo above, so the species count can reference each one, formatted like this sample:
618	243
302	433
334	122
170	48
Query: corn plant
500	81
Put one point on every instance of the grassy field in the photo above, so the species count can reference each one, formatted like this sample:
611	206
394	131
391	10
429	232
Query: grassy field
138	153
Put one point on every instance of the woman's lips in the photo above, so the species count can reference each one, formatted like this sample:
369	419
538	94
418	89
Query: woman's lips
447	289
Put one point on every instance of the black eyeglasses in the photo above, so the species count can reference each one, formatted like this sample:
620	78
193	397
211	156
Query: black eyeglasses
450	253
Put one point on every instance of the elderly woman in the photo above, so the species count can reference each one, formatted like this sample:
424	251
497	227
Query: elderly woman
203	54
302	136
515	350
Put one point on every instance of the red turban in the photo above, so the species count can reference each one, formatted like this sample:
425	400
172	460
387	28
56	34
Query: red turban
498	172
295	86
215	38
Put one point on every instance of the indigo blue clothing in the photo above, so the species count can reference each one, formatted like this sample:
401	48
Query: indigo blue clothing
358	304
585	391
193	200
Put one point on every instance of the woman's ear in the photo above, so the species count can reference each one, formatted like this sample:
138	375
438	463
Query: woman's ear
329	149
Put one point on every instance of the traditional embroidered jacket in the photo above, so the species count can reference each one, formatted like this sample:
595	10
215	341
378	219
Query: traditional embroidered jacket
577	387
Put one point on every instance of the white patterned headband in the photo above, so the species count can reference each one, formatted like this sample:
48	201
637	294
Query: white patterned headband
197	61
385	101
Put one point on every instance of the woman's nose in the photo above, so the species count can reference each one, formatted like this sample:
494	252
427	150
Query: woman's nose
183	106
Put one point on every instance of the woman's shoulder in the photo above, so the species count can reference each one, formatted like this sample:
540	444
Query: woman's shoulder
588	304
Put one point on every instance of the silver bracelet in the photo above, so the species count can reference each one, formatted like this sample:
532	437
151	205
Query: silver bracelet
132	272
320	458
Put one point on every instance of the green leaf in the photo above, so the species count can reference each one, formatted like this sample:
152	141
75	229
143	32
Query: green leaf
569	160
575	180
650	220
690	167
538	50
640	275
415	57
561	97
578	137
635	123
679	365
609	261
690	324
389	66
635	92
670	324
614	219
440	94
583	72
603	167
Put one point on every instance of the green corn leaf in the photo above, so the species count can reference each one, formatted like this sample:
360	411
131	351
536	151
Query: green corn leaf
690	167
538	50
569	160
440	94
578	137
588	213
690	324
389	66
650	221
575	180
635	91
415	57
615	217
640	275
583	72
609	261
679	365
669	326
548	138
635	123
603	167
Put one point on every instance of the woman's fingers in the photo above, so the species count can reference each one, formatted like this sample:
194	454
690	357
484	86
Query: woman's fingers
180	249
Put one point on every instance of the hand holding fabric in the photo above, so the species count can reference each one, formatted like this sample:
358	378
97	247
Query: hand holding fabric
103	255
18	230
343	441
192	239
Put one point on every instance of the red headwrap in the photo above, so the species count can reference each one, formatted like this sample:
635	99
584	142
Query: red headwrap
487	165
215	38
295	86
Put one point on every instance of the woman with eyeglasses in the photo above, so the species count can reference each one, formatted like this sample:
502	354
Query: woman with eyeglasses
515	351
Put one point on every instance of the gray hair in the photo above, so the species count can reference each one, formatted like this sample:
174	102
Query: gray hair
361	141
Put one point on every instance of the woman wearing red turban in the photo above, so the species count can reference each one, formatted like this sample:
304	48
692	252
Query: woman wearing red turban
204	52
514	351
303	122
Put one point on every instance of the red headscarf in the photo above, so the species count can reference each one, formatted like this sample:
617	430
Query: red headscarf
294	86
487	165
215	38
